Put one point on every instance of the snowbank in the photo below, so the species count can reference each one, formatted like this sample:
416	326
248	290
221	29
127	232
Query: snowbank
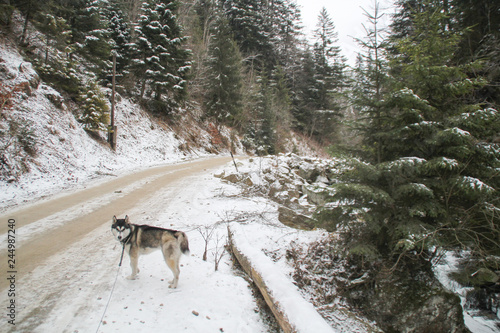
293	312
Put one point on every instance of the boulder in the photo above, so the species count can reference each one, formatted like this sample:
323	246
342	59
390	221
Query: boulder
26	69
409	299
308	172
316	195
292	219
232	178
484	276
55	98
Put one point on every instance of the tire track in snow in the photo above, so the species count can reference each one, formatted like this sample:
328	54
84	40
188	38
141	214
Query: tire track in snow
34	252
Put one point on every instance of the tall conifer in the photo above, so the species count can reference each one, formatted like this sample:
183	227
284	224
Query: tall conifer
160	60
435	183
224	81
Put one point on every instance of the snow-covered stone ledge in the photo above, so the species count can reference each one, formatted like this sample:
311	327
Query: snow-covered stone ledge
293	312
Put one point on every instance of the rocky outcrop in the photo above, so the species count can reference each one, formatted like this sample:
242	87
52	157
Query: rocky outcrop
292	219
404	298
411	300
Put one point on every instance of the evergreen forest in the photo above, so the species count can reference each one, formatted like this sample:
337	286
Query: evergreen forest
416	120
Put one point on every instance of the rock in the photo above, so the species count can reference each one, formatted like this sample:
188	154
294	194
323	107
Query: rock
293	219
24	87
316	195
410	299
248	181
26	68
5	72
219	175
55	98
232	178
484	276
322	179
309	172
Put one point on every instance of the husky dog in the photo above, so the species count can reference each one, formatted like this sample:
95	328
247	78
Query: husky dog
144	239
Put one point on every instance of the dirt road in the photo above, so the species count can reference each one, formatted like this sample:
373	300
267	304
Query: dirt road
67	226
68	279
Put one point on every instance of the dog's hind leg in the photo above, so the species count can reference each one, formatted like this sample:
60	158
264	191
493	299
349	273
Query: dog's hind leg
134	260
172	260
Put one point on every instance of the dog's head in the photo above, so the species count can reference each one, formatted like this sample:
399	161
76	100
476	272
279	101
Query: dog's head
121	228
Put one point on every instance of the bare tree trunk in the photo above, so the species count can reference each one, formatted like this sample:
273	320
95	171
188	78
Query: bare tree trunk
25	27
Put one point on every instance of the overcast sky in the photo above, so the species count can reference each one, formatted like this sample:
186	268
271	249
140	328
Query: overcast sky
348	17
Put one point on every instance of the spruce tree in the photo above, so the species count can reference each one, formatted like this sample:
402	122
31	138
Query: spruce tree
329	63
251	29
159	59
266	136
92	33
304	93
436	182
283	19
328	79
480	22
370	86
119	33
223	101
95	110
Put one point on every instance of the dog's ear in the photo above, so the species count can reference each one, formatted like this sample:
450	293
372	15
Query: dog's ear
114	219
126	219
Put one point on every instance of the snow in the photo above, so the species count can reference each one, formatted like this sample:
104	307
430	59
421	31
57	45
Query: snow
301	314
222	300
407	92
448	163
406	162
66	156
459	132
475	184
485	114
82	277
475	323
72	290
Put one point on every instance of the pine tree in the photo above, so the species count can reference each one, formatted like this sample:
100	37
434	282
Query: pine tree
480	23
92	33
251	29
304	93
95	110
200	24
329	63
57	65
119	33
328	79
435	184
224	81
282	103
283	19
159	57
369	87
266	136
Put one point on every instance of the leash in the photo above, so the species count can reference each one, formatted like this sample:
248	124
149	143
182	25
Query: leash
121	258
112	289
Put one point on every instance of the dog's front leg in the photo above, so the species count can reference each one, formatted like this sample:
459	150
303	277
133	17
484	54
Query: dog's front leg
134	260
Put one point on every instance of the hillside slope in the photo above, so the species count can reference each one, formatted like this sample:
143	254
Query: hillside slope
43	147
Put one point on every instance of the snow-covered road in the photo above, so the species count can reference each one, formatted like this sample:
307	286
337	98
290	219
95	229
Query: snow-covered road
67	259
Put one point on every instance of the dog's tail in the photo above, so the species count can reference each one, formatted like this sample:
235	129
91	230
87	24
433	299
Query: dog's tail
182	237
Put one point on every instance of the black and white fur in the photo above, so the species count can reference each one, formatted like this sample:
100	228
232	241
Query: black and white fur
144	239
